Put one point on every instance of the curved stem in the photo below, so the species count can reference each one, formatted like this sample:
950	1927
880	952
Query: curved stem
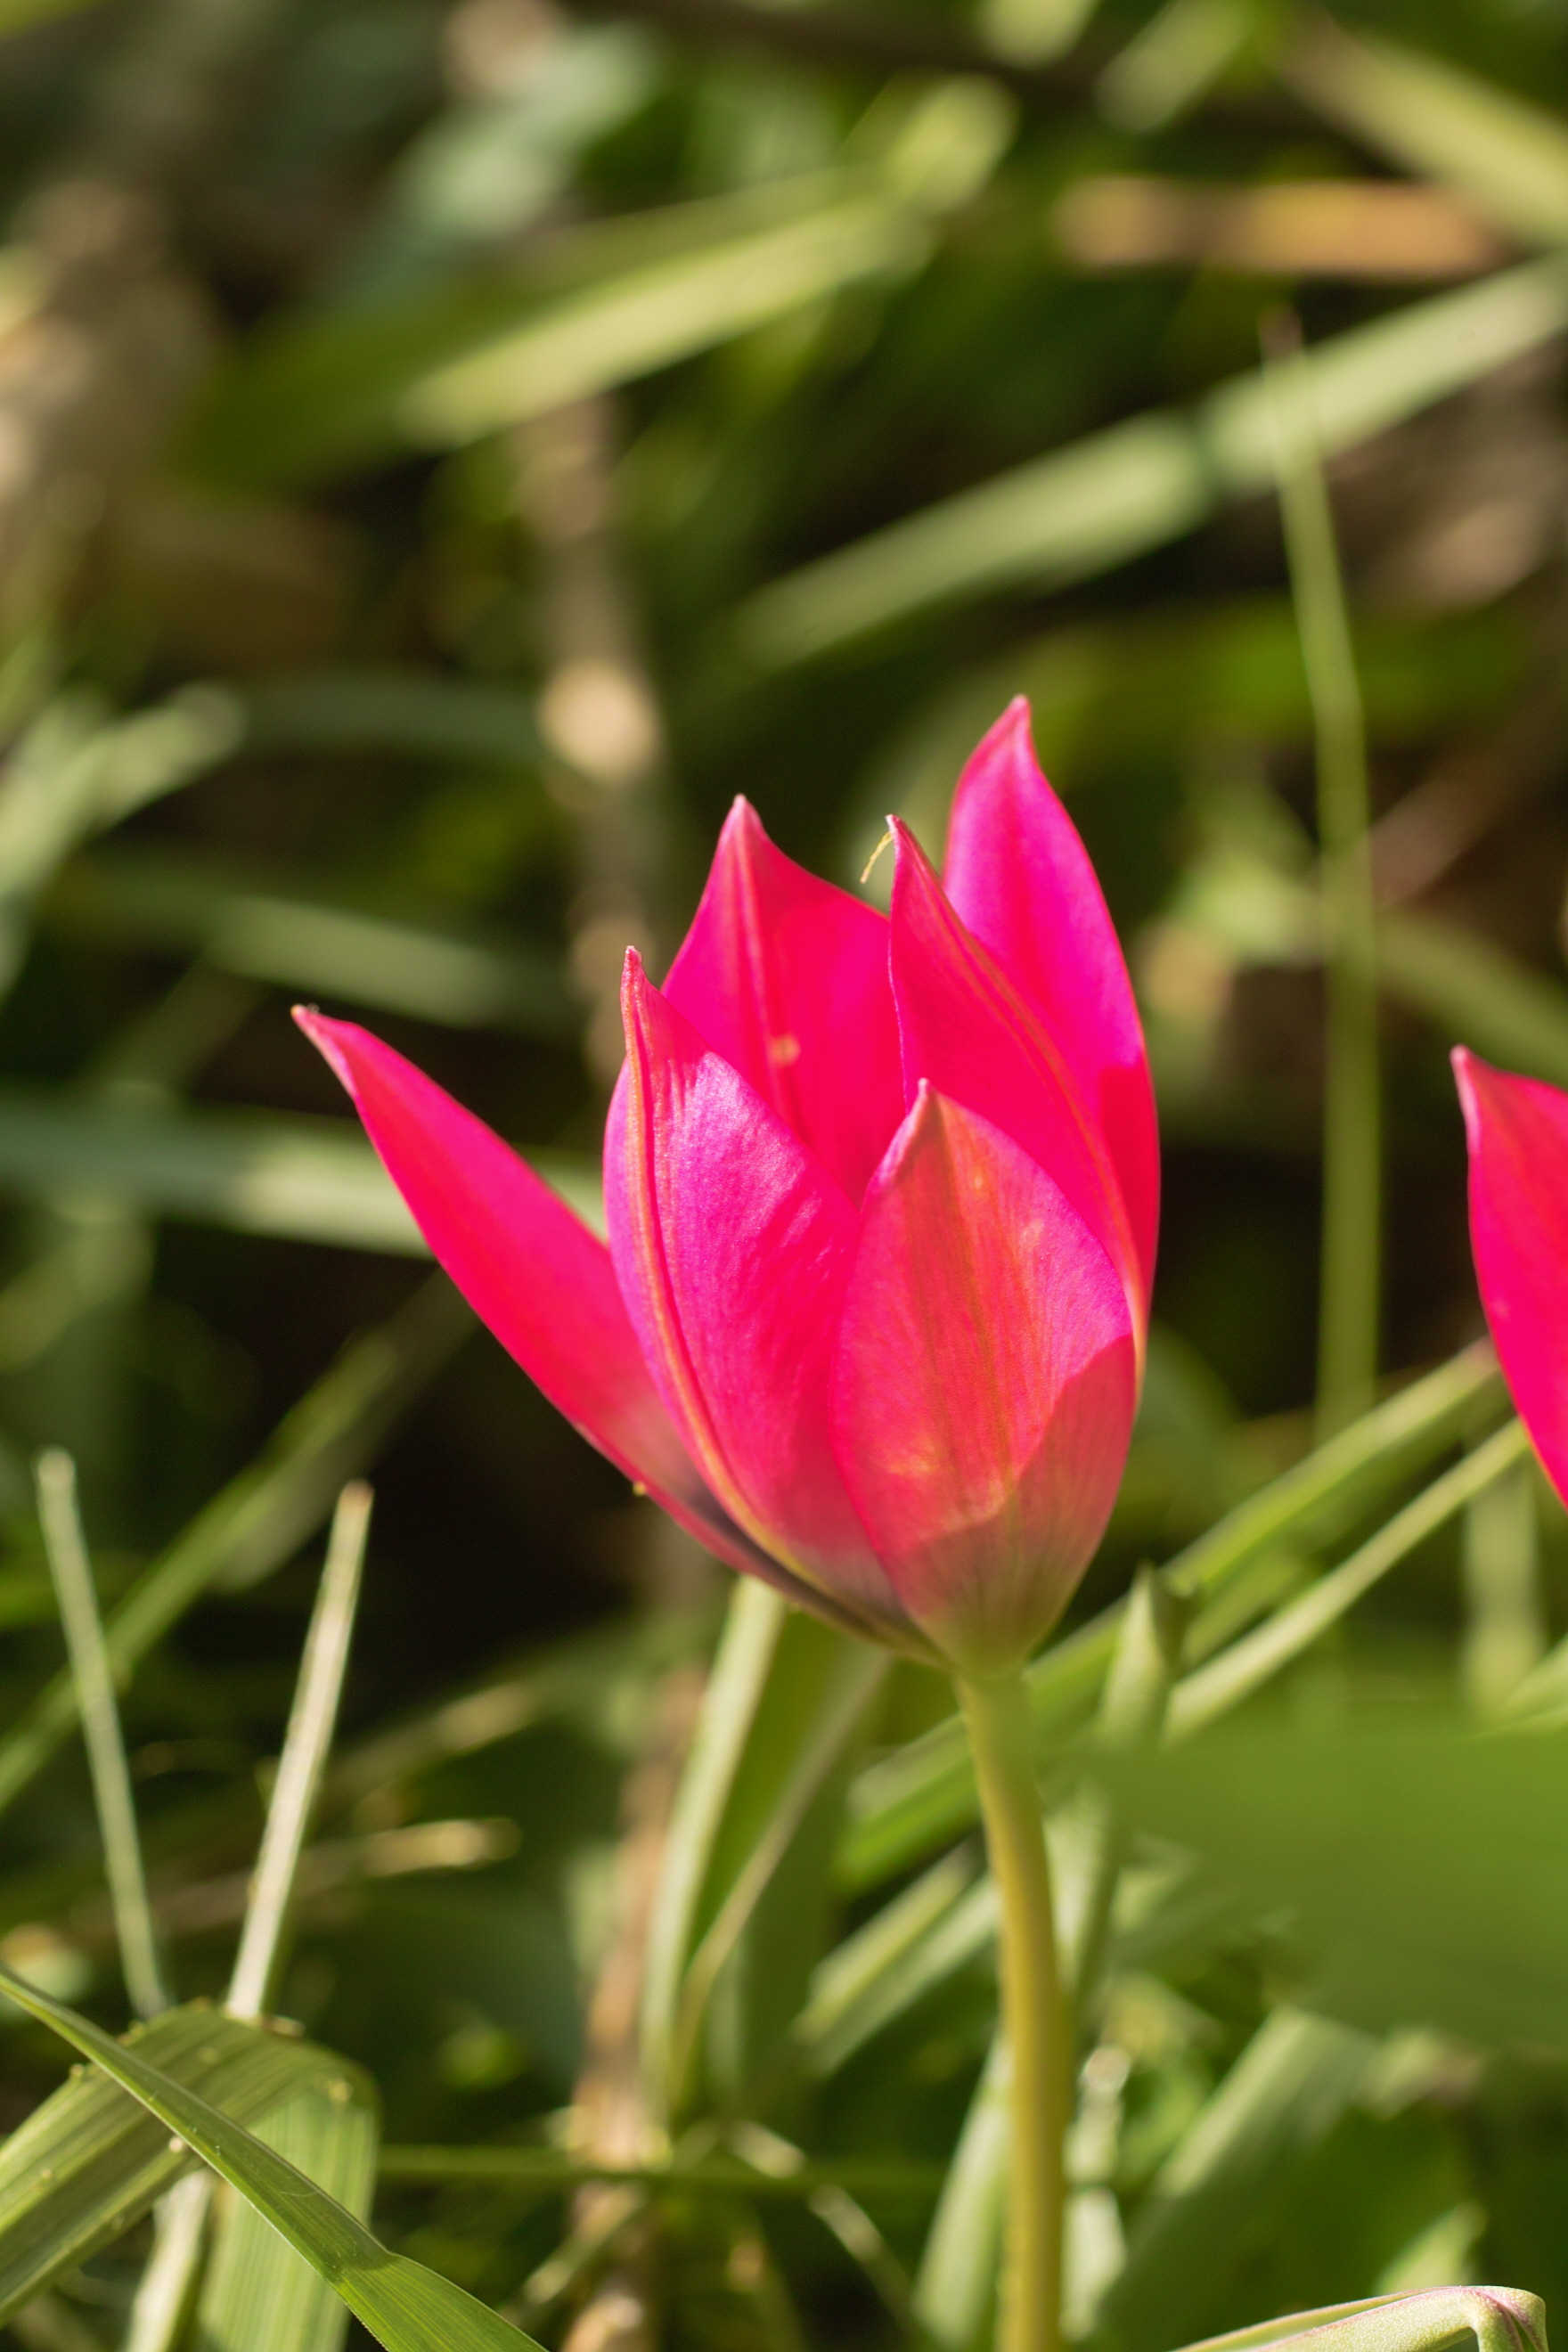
1034	2016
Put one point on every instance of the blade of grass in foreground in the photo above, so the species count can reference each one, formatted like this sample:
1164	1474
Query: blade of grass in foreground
65	1546
305	1747
255	2294
405	2307
263	1515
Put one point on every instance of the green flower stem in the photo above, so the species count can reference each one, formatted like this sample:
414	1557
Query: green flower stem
1034	2015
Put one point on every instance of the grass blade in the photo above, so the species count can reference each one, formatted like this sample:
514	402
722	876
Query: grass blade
1509	157
1243	1668
1084	510
266	2273
162	2299
1350	1280
89	2162
66	1548
304	1179
282	933
955	2286
260	1517
259	2295
1280	2099
305	1749
405	2306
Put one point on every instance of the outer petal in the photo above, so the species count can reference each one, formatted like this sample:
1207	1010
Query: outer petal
732	1245
1517	1130
1021	879
529	1268
985	1387
966	1031
787	978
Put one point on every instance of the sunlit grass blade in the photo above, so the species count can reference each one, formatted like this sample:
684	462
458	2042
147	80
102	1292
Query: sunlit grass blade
332	2144
1249	1662
302	1178
66	1548
900	1807
1350	1280
260	2294
77	769
269	929
1098	503
783	1701
88	2163
955	2286
405	2307
1283	2096
163	2303
327	395
262	1515
1432	116
305	1747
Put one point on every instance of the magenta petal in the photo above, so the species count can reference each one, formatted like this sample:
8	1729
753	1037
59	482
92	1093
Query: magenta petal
787	978
985	1387
528	1266
732	1244
966	1031
1021	879
1517	1130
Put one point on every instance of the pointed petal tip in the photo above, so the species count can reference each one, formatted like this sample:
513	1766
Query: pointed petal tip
328	1038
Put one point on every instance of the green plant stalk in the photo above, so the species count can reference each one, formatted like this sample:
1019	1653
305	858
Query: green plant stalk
1352	1148
1034	2014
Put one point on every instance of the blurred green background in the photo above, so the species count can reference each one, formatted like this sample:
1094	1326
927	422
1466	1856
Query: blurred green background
446	453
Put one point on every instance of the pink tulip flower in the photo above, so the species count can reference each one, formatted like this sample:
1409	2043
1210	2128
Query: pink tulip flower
882	1195
1518	1132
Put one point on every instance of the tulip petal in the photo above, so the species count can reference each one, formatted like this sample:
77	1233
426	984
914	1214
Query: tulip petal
1022	881
966	1031
732	1244
985	1387
786	977
1518	1131
531	1270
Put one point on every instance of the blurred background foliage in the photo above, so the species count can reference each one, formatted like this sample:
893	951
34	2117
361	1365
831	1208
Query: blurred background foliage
446	452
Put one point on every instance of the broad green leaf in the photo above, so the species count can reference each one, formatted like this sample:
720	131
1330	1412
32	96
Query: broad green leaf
260	1517
260	2294
1425	1872
1509	157
903	1805
291	937
89	2162
406	2308
1084	510
1280	2099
